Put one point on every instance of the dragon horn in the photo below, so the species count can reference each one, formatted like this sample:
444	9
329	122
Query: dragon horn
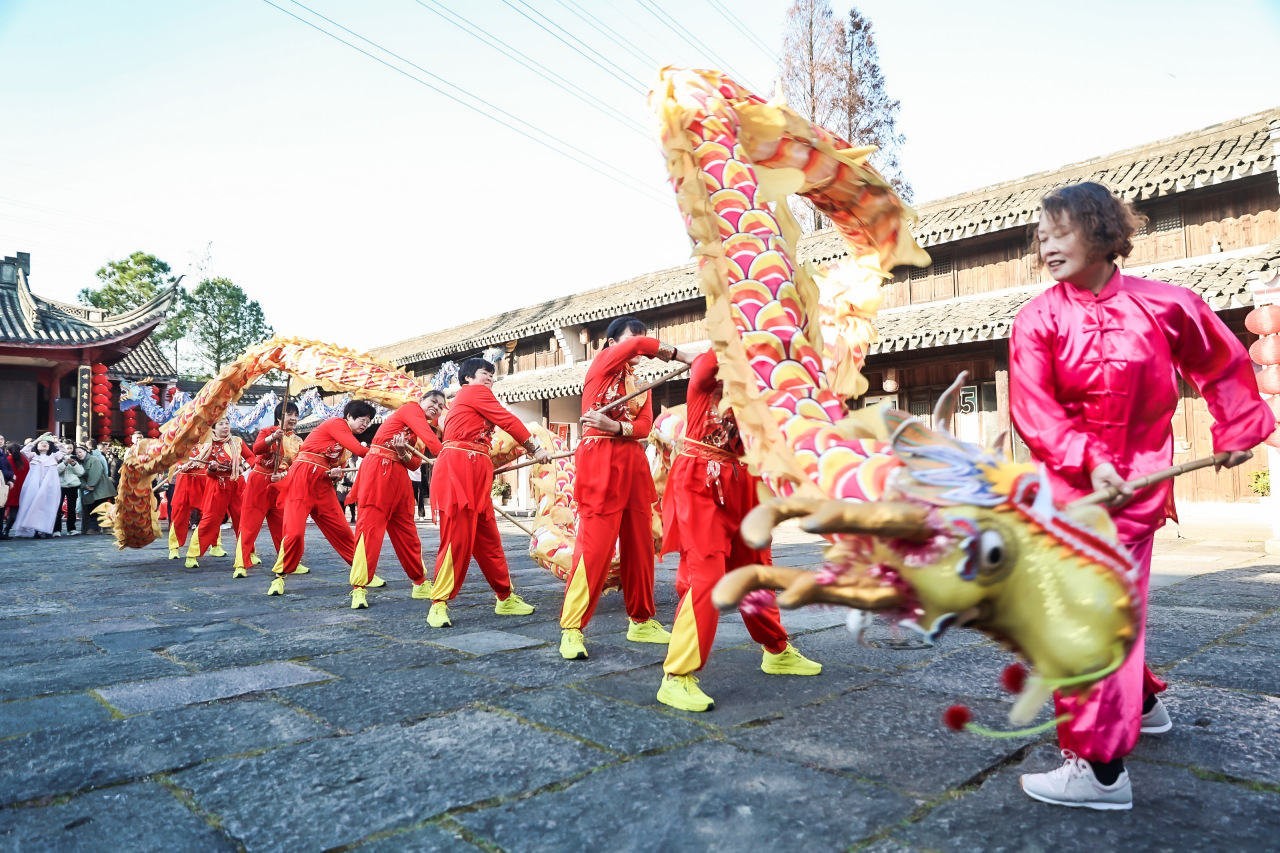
757	527
889	519
800	588
946	408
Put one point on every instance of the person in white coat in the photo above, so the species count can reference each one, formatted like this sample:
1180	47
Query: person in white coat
41	492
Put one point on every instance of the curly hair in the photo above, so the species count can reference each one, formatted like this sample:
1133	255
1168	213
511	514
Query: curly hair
1106	223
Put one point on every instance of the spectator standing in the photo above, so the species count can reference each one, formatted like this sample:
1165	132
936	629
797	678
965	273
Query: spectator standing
95	487
38	505
18	463
69	473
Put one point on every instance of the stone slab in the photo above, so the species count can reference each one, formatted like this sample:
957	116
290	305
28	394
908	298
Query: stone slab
16	654
486	642
283	645
970	671
383	659
159	638
50	712
332	792
425	839
287	619
1174	633
1173	810
74	758
613	725
70	628
1242	667
1218	730
1263	632
887	734
885	648
207	686
741	691
543	667
82	673
213	612
142	818
709	797
358	703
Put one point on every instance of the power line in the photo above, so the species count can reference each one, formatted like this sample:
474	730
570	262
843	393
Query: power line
737	25
639	188
633	82
482	35
608	32
676	27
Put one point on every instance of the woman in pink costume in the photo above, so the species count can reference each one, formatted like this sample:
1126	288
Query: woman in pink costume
1094	366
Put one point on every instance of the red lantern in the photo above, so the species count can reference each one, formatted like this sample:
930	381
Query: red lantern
99	368
1274	440
1265	350
1264	320
100	400
153	432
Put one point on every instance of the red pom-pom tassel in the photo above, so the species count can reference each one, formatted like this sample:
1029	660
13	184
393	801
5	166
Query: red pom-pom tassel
957	717
1014	677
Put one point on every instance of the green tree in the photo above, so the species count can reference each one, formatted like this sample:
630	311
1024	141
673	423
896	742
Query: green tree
865	114
224	323
135	281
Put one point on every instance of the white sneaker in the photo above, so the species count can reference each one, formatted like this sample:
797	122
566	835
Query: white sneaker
1156	721
57	533
1073	784
77	533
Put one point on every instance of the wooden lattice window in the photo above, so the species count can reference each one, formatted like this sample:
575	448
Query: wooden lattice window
941	265
1161	220
919	273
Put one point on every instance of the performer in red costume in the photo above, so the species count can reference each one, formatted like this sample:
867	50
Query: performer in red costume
384	495
708	494
309	490
226	459
614	490
1094	366
276	447
189	481
461	491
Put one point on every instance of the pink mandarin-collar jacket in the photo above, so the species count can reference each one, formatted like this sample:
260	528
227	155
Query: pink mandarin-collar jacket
1092	380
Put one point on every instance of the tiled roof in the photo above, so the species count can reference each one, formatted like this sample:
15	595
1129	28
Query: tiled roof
144	360
1221	283
38	322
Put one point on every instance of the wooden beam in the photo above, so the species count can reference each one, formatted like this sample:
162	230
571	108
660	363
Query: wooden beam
1003	417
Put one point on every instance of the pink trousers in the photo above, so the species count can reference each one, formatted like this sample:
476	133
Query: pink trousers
1105	723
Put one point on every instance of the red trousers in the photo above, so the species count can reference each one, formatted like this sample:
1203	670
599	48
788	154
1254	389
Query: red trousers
1106	722
262	501
309	492
386	505
462	494
188	495
220	498
615	507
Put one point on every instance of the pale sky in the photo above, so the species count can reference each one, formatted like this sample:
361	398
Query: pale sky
361	207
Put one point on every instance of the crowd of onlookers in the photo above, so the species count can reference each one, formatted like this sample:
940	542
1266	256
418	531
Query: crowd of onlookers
50	485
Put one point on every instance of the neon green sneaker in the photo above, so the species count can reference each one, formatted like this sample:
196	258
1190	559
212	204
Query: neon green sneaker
217	551
512	605
571	647
301	570
358	599
789	661
438	617
375	582
192	563
239	572
173	554
277	586
683	692
254	560
421	591
649	631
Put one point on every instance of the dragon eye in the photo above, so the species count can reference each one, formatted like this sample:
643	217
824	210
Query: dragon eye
991	551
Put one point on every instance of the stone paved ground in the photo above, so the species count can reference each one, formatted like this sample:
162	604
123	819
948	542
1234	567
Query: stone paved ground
144	706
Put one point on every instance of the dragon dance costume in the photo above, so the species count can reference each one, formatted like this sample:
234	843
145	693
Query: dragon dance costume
189	481
614	490
1093	379
461	492
384	494
263	496
222	490
309	492
709	492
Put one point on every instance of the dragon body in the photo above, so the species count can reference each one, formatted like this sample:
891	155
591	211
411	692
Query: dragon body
921	524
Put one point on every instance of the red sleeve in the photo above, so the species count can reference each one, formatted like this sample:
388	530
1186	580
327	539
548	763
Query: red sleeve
644	421
611	359
260	444
702	375
246	454
488	406
341	433
416	420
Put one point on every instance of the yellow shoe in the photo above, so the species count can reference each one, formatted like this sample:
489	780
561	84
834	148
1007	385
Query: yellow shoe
571	647
216	551
650	631
512	605
683	692
277	586
375	582
239	572
301	570
173	554
255	560
438	617
358	599
789	662
192	563
421	591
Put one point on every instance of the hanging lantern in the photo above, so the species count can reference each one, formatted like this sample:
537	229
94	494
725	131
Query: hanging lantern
1265	351
153	432
99	369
